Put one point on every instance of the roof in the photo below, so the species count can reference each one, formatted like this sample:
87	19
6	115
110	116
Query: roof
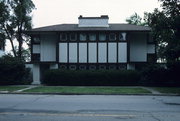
74	27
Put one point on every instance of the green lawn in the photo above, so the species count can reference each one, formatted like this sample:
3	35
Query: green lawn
174	90
88	90
11	88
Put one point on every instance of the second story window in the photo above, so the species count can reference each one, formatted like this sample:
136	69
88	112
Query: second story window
122	36
102	37
36	39
92	37
73	36
63	37
83	37
112	36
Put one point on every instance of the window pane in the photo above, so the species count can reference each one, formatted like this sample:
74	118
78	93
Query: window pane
122	36
83	52
83	37
92	52
102	37
92	37
73	52
122	54
36	39
112	52
63	52
63	37
112	37
102	52
73	37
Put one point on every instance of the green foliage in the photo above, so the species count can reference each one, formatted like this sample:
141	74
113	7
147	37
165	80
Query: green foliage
165	25
91	78
13	71
14	19
137	20
158	75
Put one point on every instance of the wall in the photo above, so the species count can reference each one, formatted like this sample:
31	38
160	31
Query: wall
36	74
138	47
151	48
48	47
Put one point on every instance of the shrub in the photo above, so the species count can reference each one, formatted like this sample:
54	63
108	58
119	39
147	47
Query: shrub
91	78
13	71
174	71
156	75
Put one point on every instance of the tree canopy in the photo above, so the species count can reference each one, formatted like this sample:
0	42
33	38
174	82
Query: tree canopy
165	26
15	17
166	29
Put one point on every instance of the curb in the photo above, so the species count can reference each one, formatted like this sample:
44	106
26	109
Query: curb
39	93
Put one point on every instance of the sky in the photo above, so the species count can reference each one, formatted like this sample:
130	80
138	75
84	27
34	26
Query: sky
51	12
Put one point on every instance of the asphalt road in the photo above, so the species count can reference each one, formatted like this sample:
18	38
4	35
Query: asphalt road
89	108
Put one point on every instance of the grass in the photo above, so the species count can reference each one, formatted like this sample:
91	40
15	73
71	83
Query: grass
88	90
11	88
174	90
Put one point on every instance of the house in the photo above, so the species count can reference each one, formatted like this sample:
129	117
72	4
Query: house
91	44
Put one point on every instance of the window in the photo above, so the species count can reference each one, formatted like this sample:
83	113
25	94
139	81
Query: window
63	52
102	67
112	37
92	37
83	37
112	67
102	52
36	57
73	52
62	67
122	67
92	52
63	37
83	52
82	67
73	36
92	67
122	36
36	39
102	36
112	52
72	67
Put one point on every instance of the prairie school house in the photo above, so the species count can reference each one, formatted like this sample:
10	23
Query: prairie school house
92	44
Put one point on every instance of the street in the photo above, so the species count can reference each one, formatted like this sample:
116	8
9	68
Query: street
89	108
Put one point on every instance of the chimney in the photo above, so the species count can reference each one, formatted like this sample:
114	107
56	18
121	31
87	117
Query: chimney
93	21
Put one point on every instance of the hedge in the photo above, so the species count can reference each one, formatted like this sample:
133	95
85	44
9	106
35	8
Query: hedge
91	78
13	71
150	75
157	75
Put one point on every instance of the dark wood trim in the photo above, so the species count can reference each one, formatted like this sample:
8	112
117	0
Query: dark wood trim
67	52
78	52
97	55
57	48
128	47
107	52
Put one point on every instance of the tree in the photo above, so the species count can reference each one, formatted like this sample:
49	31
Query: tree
137	20
14	19
166	29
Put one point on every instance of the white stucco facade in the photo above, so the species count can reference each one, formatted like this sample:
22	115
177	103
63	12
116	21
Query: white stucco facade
48	48
138	47
36	74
